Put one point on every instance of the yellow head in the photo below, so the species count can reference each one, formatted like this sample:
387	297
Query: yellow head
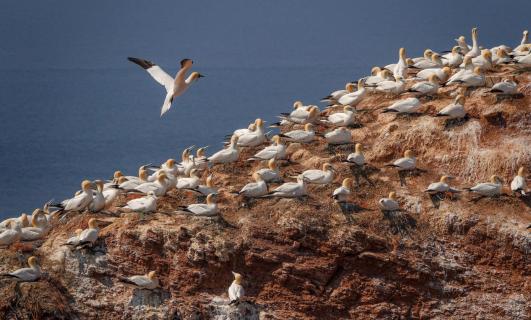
93	223
78	232
474	33
170	163
455	50
328	167
257	176
358	147
252	126
501	53
447	71
123	179
272	164
460	99
162	177
409	154
237	277
461	39
444	179
313	112
200	153
350	87
436	58
276	139
347	183
209	182
24	220
185	155
196	75
86	185
521	171
495	179
467	61
308	127
375	71
428	53
142	174
347	109
210	198
402	53
32	261
117	174
259	123
433	78
478	71
392	195
296	104
152	275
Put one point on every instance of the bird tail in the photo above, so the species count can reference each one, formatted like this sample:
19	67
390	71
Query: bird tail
389	110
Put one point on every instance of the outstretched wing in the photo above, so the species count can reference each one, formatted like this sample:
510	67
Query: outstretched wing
156	72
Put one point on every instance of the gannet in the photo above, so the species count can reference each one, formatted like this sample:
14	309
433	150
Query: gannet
408	162
334	96
435	62
301	136
22	220
36	231
488	189
357	156
249	129
441	73
236	291
227	155
463	46
210	208
474	79
439	187
117	175
74	240
143	205
10	235
523	44
275	151
400	69
199	160
425	56
454	110
519	185
339	136
301	116
382	75
484	60
33	273
467	69
454	58
506	86
79	202
389	203
426	87
409	105
190	182
98	199
352	99
501	57
344	119
291	189
131	184
159	187
324	176
254	189
392	87
207	188
174	87
271	173
475	51
148	281
254	138
342	193
89	235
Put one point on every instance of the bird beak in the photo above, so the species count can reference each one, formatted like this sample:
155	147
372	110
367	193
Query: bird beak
201	76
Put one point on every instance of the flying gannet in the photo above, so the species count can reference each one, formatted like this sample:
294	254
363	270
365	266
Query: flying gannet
174	87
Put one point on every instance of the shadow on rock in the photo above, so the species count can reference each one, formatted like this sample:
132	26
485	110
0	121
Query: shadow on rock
152	298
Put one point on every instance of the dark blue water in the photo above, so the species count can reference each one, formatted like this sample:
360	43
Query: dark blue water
73	108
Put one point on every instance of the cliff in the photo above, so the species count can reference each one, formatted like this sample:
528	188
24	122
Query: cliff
307	259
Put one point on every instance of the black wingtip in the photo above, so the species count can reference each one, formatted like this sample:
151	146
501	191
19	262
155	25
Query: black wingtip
145	64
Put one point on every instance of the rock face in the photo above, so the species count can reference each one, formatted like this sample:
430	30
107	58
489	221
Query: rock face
307	259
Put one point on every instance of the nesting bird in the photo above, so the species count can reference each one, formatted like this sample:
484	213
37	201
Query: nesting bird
33	273
519	185
492	188
236	291
389	203
148	281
